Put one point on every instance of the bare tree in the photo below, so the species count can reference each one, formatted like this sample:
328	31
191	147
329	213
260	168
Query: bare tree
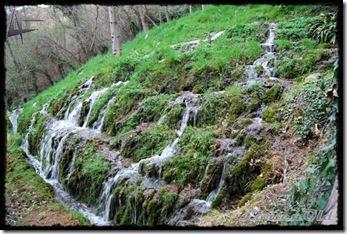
159	13
142	12
167	15
115	35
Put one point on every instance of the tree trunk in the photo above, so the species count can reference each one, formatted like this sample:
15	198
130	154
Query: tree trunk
167	15
115	36
142	11
202	7
78	27
34	82
190	9
159	11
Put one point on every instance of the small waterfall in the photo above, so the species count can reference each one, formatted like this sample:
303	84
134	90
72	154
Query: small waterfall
75	113
263	62
99	123
13	117
169	151
71	166
215	192
190	101
93	97
72	101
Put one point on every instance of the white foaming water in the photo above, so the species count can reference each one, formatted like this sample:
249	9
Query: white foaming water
169	151
93	97
13	116
99	123
269	47
215	192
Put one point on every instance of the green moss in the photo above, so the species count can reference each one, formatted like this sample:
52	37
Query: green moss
217	201
245	199
196	148
168	201
261	181
148	143
270	114
173	116
227	106
36	134
255	151
90	171
272	94
128	98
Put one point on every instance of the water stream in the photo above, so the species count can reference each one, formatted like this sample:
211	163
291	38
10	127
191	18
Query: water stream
57	133
262	63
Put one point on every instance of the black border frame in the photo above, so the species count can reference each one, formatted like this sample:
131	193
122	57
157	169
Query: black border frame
340	116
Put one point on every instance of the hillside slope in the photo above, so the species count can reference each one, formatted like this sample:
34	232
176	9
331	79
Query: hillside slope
208	114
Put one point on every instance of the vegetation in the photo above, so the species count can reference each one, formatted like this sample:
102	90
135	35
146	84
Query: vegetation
252	139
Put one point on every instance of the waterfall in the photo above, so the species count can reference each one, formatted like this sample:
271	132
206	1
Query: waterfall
13	117
215	192
95	95
263	62
169	151
99	123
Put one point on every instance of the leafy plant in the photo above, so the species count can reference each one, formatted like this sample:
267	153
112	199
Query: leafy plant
324	28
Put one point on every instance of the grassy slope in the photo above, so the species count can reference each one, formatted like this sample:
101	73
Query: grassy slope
157	74
108	69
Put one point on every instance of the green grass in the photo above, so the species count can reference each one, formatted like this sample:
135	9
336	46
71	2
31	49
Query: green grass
132	65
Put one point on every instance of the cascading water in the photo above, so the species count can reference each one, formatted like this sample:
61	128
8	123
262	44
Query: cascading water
95	95
58	132
13	117
169	151
99	123
263	62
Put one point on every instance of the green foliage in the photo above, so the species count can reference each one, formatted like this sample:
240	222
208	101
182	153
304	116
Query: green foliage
294	29
90	171
324	28
272	94
270	114
36	133
228	106
189	167
148	143
308	105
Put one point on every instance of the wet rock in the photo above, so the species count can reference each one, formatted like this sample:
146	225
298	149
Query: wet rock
212	175
195	207
186	195
84	112
224	146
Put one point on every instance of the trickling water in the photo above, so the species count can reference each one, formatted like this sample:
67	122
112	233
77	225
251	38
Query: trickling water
263	62
71	166
99	123
169	151
215	192
91	101
13	117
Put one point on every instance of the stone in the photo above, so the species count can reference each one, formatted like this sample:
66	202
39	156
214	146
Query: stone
212	175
